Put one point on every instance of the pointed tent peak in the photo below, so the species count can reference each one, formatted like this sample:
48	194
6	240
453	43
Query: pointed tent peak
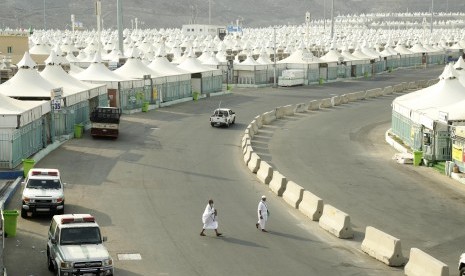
97	57
449	73
52	59
26	61
460	64
161	52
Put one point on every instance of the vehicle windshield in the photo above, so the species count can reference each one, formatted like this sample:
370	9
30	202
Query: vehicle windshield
221	113
80	235
44	184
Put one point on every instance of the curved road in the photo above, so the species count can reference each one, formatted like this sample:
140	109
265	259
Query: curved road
341	156
149	187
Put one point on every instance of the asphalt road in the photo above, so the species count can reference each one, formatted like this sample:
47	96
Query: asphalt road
149	188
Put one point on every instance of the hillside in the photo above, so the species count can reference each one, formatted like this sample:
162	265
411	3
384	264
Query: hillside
173	14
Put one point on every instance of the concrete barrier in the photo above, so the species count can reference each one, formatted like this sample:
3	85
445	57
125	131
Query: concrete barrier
247	153
404	86
344	99
268	117
336	222
258	121
431	82
388	90
245	142
254	163
278	183
249	132
412	86
336	100
254	126
301	108
383	247
326	103
422	264
352	97
373	93
311	206
289	110
279	112
361	95
314	105
265	172
398	88
422	83
293	194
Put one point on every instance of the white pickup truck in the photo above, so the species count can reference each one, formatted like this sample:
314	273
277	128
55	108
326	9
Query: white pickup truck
223	117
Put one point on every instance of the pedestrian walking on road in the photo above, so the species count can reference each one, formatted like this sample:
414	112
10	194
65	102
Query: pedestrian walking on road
209	219
262	214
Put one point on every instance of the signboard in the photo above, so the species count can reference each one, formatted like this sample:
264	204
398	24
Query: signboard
234	29
443	117
56	95
457	153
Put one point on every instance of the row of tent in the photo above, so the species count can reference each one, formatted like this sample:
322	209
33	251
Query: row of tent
432	120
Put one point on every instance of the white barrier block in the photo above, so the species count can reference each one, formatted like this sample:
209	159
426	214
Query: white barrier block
344	99
301	108
422	264
293	194
289	110
388	90
383	247
258	120
361	95
311	206
265	172
254	126
278	183
336	100
412	85
352	97
404	86
326	103
336	222
268	117
245	143
314	105
280	112
248	152
373	93
254	163
398	88
249	132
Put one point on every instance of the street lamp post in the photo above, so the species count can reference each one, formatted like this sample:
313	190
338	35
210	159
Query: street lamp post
332	18
432	11
274	59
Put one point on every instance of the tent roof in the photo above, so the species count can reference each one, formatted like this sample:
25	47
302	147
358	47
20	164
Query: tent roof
133	68
27	83
98	72
163	67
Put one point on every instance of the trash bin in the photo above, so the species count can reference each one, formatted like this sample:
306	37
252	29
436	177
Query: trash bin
196	95
320	81
10	218
78	129
417	156
27	165
145	106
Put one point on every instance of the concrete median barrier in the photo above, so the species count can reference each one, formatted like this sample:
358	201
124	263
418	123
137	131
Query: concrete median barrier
293	194
279	112
361	95
247	153
383	247
301	108
254	163
336	100
422	264
258	121
336	222
249	132
373	93
404	86
311	206
289	110
268	117
314	105
326	103
265	172
388	90
254	126
278	183
398	88
412	85
245	142
431	82
344	99
352	97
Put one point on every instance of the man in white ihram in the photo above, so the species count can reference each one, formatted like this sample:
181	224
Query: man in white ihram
262	214
209	219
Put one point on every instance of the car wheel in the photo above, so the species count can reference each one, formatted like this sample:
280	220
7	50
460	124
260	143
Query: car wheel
61	212
23	213
234	121
462	271
227	123
212	124
50	265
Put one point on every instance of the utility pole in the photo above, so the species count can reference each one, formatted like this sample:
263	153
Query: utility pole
274	59
119	4
332	18
432	11
45	24
209	12
98	12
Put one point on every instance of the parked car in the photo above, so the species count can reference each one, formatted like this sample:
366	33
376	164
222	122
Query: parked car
223	117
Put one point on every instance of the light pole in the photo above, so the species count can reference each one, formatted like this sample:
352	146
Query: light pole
209	11
119	4
98	12
274	59
45	24
332	18
432	11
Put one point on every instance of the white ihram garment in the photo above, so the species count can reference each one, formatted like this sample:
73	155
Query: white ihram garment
264	210
209	218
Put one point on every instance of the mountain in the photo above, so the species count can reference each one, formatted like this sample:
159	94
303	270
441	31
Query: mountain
56	14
